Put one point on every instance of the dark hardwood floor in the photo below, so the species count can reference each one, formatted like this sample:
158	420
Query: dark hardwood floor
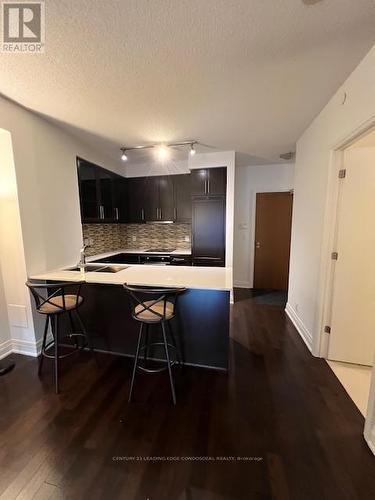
296	433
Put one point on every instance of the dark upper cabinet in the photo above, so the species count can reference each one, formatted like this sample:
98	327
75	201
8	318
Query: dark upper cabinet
182	198
166	198
120	199
88	191
136	200
101	195
209	181
150	199
208	231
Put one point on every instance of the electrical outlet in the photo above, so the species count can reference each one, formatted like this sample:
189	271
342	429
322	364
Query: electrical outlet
187	238
134	238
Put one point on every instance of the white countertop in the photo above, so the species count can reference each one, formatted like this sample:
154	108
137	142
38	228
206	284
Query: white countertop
210	278
92	258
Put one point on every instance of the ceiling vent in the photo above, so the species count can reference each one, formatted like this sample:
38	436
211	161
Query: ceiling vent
288	156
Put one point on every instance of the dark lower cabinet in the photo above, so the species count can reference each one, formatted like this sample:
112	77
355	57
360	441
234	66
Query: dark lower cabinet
208	231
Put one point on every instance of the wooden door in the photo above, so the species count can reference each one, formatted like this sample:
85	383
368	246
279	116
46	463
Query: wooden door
273	221
352	337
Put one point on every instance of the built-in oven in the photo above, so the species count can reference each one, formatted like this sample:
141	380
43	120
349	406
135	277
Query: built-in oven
156	260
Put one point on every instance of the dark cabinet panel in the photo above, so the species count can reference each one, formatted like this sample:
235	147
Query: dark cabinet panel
101	193
88	191
217	181
209	181
208	231
166	198
120	199
151	198
182	198
136	198
199	178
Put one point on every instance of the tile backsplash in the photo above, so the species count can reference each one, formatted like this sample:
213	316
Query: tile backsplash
108	237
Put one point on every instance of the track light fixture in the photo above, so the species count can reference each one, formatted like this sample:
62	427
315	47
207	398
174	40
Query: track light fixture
162	150
124	156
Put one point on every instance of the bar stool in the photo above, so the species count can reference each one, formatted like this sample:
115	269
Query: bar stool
57	301
160	310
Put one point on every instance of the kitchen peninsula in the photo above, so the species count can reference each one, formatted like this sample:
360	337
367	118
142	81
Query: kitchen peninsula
202	323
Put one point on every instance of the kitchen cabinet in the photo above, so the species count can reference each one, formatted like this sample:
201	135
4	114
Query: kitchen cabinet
209	181
182	198
136	200
151	199
208	231
101	193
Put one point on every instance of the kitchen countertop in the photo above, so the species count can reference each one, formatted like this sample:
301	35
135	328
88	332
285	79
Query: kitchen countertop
93	258
210	278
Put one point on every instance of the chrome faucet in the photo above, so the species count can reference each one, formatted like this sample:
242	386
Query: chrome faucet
82	260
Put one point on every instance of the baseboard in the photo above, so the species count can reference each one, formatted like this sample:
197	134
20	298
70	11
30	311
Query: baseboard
300	327
242	284
25	347
5	348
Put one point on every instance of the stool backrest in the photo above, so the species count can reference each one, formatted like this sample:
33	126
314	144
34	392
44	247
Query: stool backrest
44	293
147	297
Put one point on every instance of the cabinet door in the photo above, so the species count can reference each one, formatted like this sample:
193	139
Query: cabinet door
217	181
182	197
199	181
135	189
208	231
106	206
166	198
151	198
88	191
120	203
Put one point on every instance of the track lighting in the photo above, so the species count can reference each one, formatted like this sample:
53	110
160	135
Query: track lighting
163	151
124	156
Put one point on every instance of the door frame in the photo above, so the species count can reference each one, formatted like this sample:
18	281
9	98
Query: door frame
253	236
326	271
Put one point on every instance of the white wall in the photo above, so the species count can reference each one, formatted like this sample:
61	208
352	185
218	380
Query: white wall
310	251
46	176
249	181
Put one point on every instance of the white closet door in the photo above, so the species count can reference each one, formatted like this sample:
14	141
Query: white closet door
352	336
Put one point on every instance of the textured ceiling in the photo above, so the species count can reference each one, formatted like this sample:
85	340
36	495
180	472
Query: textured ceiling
247	75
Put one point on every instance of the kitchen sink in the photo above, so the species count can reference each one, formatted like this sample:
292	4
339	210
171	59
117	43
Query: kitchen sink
98	269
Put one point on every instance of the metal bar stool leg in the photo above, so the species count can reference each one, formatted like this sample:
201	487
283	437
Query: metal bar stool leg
87	336
173	338
146	344
43	345
72	326
135	362
168	362
55	330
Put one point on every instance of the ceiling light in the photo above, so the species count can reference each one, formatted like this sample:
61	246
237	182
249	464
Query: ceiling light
162	152
124	156
192	149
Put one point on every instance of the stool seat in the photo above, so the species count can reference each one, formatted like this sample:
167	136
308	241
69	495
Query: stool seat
56	304
155	312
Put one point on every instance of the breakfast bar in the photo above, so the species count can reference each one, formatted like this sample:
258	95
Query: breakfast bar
201	325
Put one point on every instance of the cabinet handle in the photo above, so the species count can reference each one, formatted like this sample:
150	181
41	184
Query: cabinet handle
175	213
157	214
101	212
116	213
160	214
208	186
142	214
